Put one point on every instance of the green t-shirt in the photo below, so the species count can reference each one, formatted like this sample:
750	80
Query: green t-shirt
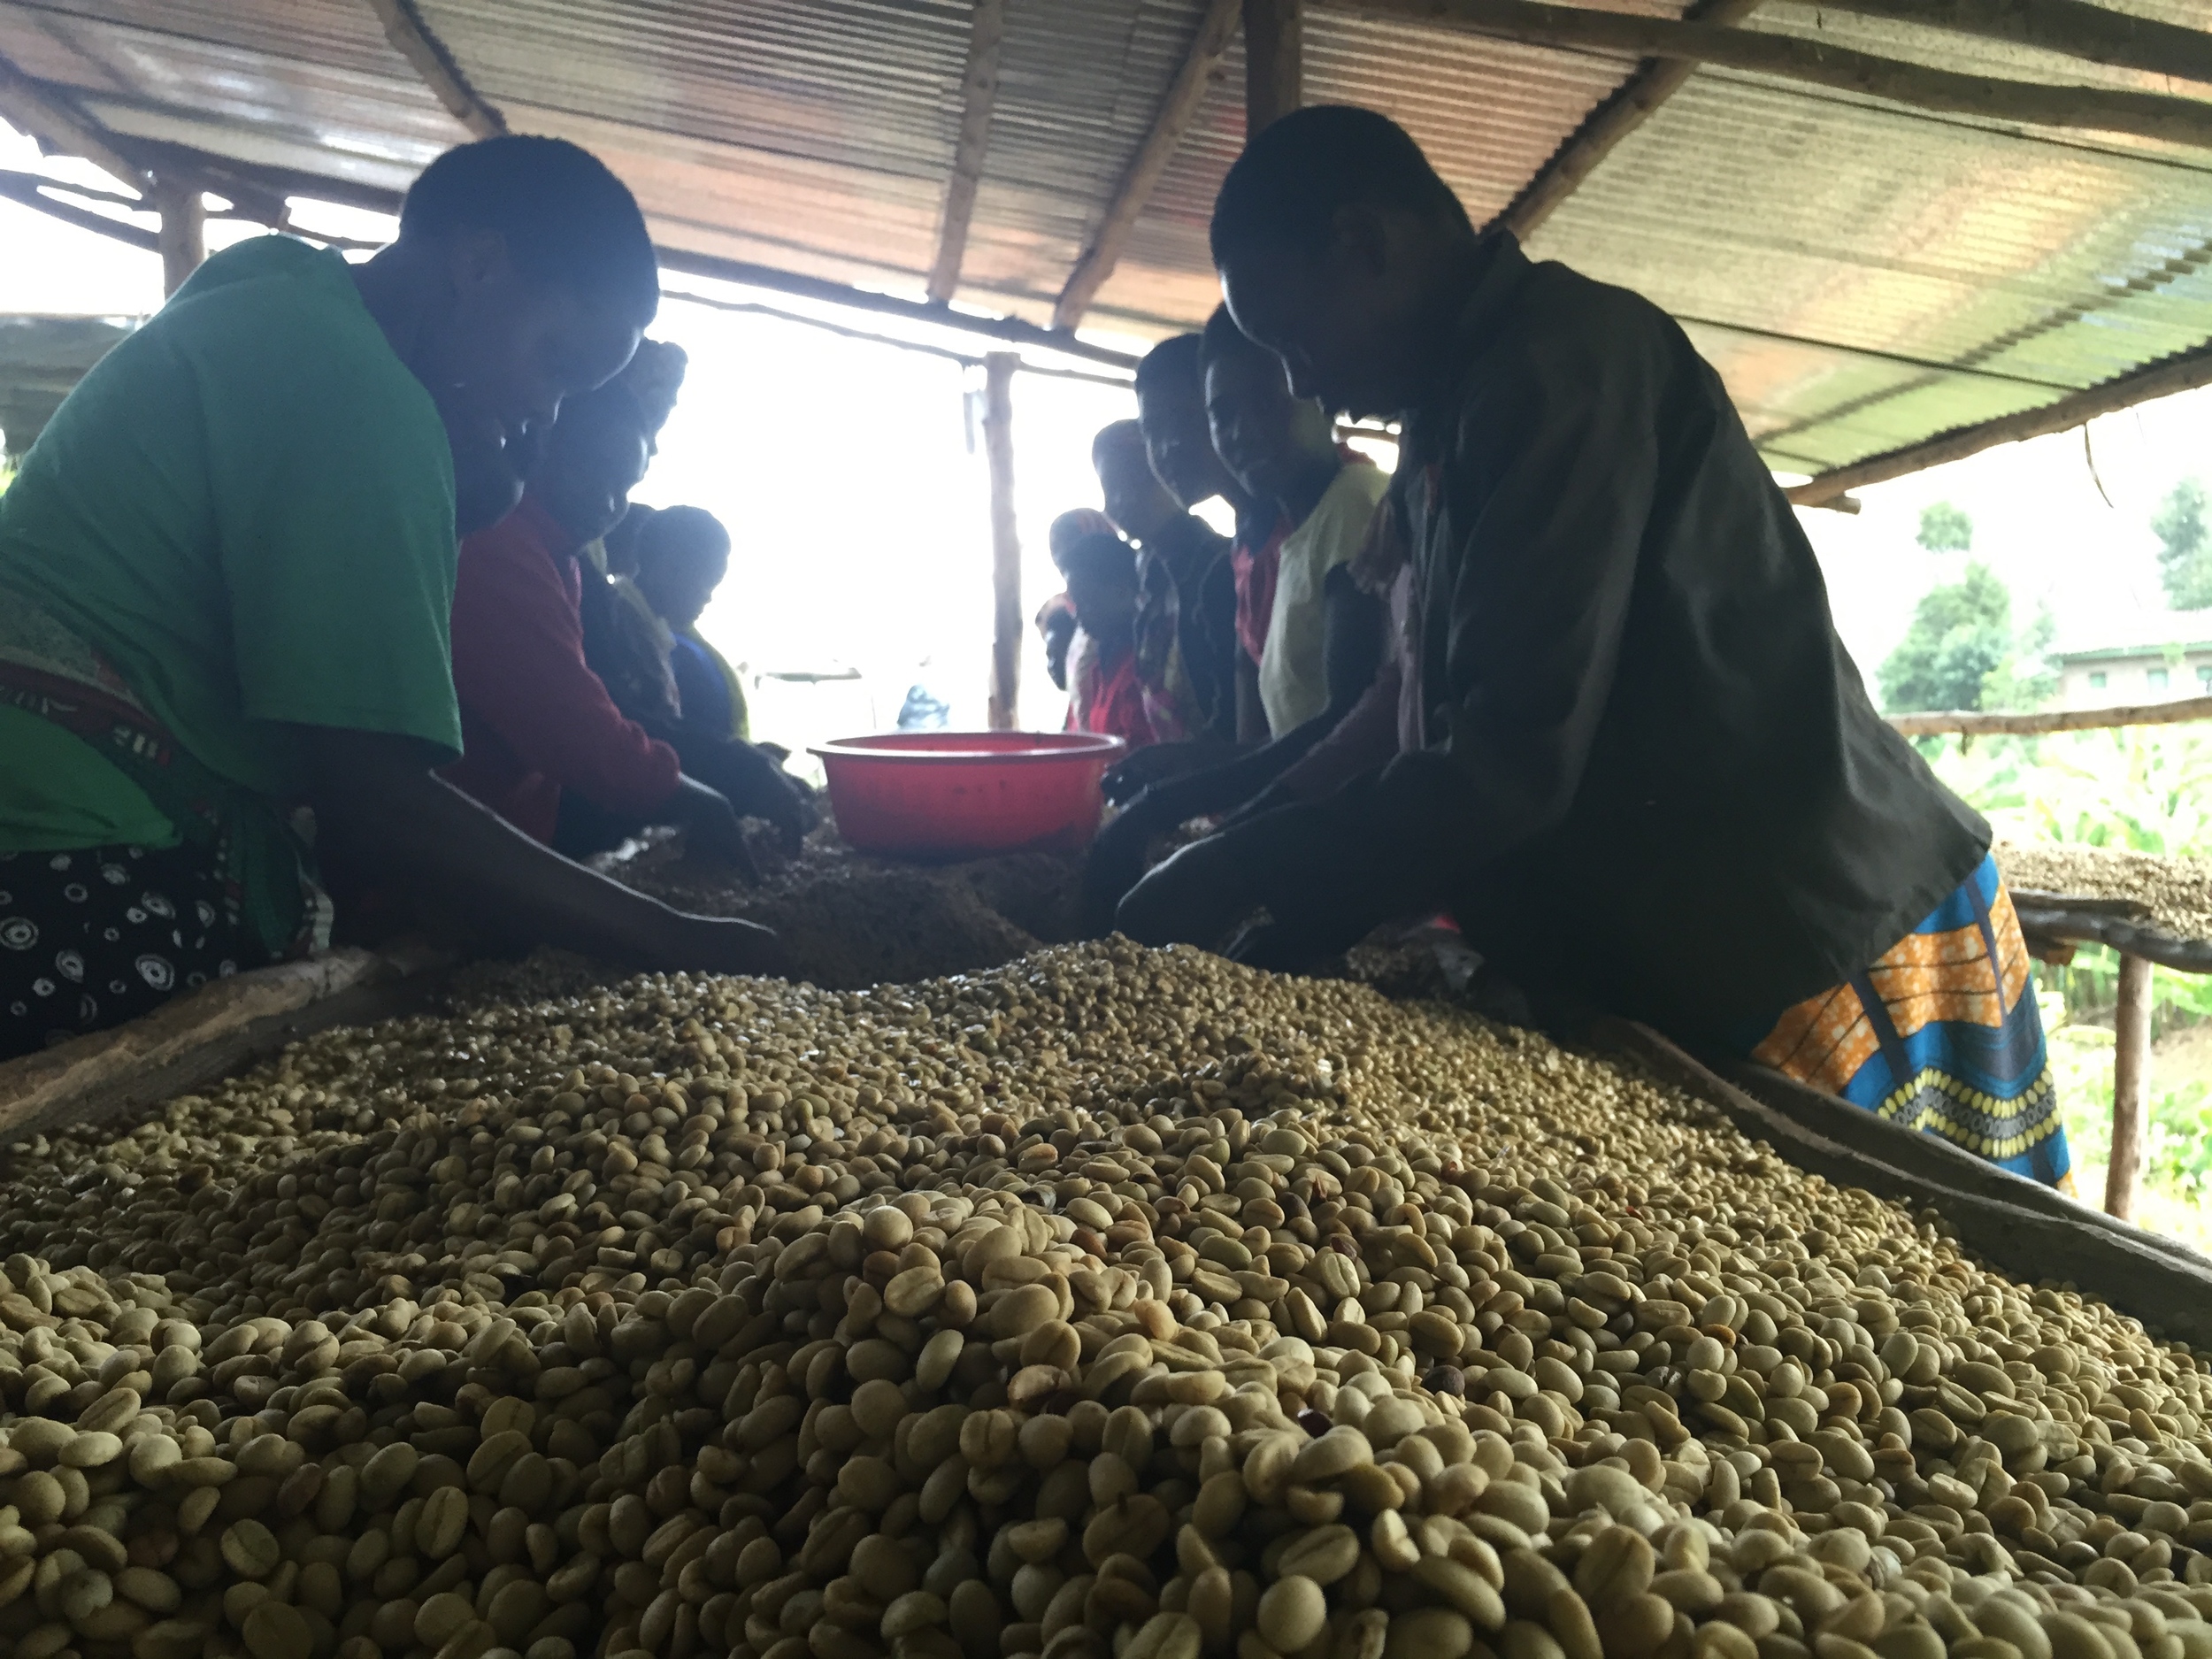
247	509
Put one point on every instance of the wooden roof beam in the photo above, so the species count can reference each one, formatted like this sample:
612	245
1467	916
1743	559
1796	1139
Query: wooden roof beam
2073	28
979	95
49	116
1785	57
1274	62
1149	165
1635	102
2181	372
412	38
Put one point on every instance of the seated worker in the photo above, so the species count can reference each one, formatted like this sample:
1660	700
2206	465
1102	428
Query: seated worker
1171	410
538	724
1323	643
226	572
1639	769
1101	574
682	554
1185	626
1283	450
1057	626
1068	529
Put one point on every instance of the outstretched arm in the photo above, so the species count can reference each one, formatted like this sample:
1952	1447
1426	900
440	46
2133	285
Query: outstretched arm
378	804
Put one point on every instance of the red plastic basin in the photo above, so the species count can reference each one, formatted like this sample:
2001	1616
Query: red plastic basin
952	795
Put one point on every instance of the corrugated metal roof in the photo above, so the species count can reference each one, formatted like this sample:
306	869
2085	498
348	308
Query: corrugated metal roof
1747	202
1861	275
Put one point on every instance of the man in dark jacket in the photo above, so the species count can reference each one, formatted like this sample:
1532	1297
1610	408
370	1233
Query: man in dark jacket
1636	762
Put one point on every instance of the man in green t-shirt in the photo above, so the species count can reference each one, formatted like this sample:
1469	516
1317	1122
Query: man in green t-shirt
226	577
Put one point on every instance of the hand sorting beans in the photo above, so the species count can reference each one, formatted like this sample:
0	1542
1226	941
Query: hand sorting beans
1109	1305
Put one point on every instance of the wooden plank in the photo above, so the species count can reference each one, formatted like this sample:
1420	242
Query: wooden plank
182	237
2045	922
414	41
1274	62
2181	372
201	1035
1006	547
1974	722
47	115
2043	1236
1926	1157
31	191
978	95
1013	330
1162	139
2097	34
1637	100
2130	1087
2144	114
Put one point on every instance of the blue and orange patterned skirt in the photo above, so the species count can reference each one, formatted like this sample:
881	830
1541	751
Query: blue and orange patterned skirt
1940	1033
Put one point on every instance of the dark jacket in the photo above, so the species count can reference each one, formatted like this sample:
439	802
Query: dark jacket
1652	775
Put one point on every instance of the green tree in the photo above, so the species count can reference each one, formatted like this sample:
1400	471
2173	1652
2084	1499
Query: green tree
2185	560
1959	652
1944	528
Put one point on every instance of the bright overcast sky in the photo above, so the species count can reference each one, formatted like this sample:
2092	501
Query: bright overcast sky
857	505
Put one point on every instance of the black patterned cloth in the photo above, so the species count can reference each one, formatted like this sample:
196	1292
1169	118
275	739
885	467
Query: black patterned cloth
91	938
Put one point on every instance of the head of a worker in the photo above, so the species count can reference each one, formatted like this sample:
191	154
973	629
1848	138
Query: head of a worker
594	457
1266	435
1171	409
522	275
1342	251
683	553
1071	528
1102	585
1136	499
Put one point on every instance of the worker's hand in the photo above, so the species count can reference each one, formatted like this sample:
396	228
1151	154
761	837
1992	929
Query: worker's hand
1156	763
1194	897
1305	939
1117	861
710	944
711	828
758	787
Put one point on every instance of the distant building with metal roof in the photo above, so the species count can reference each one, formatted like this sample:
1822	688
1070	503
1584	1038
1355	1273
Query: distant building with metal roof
2150	656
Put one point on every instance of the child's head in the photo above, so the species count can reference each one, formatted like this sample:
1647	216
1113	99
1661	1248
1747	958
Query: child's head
1101	574
594	459
1266	437
682	555
1071	528
1136	500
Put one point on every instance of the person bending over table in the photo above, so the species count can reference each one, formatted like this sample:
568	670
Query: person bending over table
537	723
1322	646
1638	767
226	572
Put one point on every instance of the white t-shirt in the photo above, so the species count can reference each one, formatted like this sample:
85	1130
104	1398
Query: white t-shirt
1294	683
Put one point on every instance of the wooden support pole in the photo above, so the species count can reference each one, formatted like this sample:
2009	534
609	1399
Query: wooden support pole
49	116
182	237
1968	723
1814	62
1636	102
1006	546
1274	62
2183	372
2077	28
979	94
2130	1087
412	39
1169	124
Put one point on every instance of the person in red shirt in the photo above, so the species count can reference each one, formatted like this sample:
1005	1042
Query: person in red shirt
535	718
1102	576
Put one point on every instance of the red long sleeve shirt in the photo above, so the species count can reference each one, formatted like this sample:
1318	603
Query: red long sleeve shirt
535	718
